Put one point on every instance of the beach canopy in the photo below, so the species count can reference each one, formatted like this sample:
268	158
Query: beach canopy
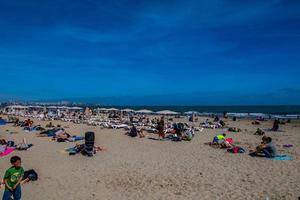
112	109
17	107
191	112
75	108
52	107
63	107
167	112
144	111
127	110
35	106
102	109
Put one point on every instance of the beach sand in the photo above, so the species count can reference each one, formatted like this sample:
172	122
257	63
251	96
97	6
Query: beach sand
140	168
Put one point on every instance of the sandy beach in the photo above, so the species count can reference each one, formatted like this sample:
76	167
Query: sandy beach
140	168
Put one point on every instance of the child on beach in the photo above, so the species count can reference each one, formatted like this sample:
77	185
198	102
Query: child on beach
12	179
218	139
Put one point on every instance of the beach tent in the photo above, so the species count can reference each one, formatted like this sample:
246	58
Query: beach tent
144	111
167	112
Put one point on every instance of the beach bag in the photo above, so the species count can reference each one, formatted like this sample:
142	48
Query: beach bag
31	175
89	144
236	150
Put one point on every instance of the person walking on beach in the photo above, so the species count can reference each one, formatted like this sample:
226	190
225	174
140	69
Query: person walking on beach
12	179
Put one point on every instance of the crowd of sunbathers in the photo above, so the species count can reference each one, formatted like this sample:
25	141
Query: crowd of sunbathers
171	131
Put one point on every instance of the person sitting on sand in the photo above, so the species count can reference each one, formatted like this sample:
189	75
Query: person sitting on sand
222	123
50	125
275	125
218	139
265	149
189	134
259	132
216	119
133	132
141	133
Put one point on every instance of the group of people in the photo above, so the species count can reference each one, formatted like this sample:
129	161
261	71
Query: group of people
266	149
172	131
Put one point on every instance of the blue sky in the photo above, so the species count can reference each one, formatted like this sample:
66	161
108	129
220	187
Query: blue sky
239	52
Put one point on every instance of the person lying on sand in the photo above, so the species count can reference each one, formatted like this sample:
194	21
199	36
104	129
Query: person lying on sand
256	122
51	133
80	147
265	149
3	145
23	145
234	129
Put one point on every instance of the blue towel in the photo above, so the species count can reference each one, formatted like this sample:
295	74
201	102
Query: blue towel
282	157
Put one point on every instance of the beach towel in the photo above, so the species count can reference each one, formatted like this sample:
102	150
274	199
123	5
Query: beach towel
24	147
229	140
7	152
165	139
281	157
2	122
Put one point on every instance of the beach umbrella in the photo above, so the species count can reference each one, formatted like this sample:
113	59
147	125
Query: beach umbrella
191	112
18	107
102	109
52	107
63	107
167	112
127	110
112	109
35	106
76	108
144	111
